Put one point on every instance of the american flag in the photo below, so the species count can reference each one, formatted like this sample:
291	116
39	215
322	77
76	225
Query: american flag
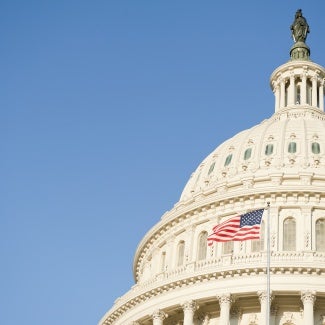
243	227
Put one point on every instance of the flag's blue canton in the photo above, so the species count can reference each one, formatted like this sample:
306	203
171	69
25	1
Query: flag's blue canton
251	218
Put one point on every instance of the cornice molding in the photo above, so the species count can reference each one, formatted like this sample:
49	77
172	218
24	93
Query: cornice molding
152	291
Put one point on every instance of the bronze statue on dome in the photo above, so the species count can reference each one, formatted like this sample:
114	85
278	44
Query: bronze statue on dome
299	27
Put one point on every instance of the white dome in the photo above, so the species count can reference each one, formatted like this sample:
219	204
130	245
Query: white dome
281	161
290	142
285	143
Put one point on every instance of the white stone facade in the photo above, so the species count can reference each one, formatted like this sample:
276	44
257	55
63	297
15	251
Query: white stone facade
180	280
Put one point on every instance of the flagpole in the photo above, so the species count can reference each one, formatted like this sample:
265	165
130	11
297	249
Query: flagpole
268	291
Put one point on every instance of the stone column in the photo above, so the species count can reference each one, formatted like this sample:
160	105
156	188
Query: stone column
225	301
308	298
303	90
277	97
189	308
291	90
314	91
321	95
158	317
282	93
262	295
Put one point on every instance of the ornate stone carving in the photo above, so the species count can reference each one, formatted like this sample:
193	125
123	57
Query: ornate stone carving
307	239
308	296
287	318
225	299
211	250
262	296
190	305
273	239
159	315
253	319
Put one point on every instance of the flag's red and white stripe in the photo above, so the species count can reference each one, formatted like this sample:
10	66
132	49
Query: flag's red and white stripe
239	228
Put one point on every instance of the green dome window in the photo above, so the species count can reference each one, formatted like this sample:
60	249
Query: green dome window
248	153
269	149
315	148
211	168
228	160
292	147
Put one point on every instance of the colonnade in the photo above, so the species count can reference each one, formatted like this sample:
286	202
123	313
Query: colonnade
229	316
299	89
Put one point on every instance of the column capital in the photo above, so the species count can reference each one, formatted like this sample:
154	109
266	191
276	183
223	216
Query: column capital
225	299
322	82
314	77
304	73
189	305
308	296
159	315
262	296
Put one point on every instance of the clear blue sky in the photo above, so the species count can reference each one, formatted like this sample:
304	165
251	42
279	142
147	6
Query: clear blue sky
107	107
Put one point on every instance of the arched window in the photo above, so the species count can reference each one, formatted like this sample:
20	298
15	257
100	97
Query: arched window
228	160
180	253
320	235
202	246
292	147
269	149
289	234
258	244
228	247
247	153
163	262
315	148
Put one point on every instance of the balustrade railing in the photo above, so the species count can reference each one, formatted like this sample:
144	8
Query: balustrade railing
224	263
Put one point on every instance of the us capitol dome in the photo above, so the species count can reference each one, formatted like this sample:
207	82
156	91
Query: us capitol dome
180	280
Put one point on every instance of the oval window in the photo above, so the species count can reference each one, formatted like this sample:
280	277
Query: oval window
292	147
211	168
248	153
315	148
269	149
228	160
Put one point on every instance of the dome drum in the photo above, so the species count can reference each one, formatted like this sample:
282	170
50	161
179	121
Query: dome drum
291	267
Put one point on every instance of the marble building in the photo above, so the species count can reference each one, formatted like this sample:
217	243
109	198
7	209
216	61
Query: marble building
180	280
